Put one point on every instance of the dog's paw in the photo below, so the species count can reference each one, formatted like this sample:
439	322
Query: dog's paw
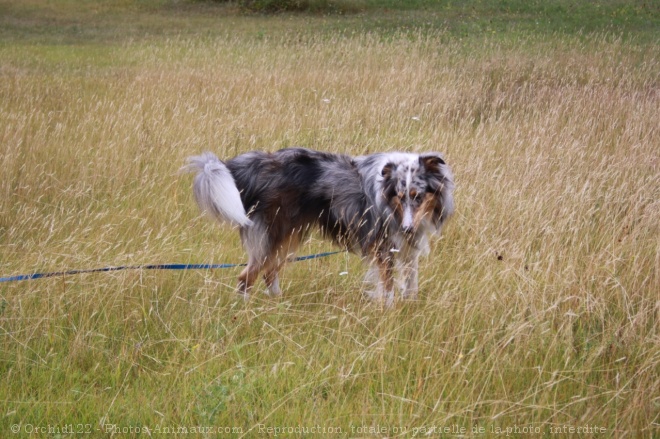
410	294
273	292
385	298
373	294
242	295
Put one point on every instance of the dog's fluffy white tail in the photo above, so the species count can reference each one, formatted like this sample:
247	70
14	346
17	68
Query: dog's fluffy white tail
215	190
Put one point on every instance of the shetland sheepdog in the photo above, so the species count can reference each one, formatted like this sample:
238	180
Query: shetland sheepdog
382	206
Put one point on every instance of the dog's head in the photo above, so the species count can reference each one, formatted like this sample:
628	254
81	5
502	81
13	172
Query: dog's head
419	191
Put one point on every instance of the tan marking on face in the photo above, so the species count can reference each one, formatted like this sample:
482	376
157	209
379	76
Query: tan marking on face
397	206
425	209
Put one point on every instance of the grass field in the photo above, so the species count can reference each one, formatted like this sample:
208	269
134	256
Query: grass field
539	307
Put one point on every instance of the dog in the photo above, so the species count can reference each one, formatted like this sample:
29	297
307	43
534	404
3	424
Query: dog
382	206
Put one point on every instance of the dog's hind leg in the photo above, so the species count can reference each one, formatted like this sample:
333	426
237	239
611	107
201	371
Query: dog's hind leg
254	240
272	279
247	277
282	251
270	267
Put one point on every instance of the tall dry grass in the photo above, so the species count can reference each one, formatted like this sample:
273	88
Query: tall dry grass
539	306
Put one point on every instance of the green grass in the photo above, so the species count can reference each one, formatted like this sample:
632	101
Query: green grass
538	307
70	21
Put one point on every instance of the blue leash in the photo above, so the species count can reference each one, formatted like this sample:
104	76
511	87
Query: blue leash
147	267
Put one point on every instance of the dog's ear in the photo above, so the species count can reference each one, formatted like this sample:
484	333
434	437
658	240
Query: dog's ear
387	170
431	162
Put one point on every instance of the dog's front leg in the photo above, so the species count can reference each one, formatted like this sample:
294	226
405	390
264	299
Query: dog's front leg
386	277
408	278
